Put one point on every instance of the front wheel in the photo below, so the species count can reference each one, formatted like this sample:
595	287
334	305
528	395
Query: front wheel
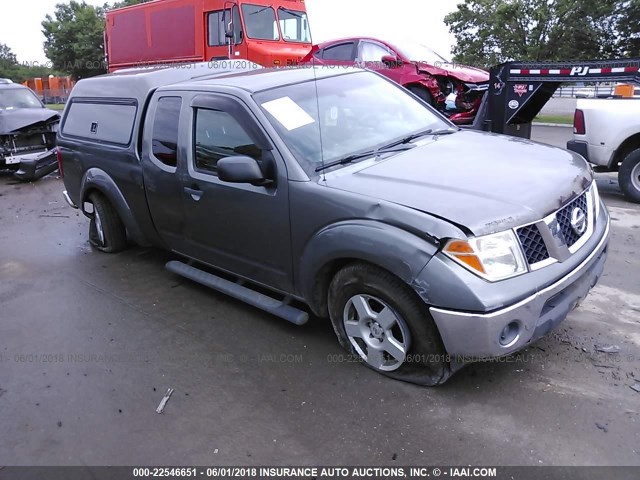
421	93
381	320
629	176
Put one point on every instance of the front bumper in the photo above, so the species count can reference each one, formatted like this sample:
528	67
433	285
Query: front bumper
476	336
33	166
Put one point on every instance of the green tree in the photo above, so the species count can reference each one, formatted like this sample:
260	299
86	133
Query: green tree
18	72
489	32
8	62
74	39
6	55
127	3
629	28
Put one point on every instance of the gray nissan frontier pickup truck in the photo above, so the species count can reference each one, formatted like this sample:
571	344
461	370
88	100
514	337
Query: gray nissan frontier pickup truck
339	194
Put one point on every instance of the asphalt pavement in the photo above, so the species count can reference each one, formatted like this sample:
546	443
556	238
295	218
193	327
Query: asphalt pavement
90	343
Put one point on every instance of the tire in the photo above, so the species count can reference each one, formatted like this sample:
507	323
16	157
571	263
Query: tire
412	350
421	93
106	231
629	176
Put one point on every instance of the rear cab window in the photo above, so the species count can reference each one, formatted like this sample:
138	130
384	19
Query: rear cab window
166	126
343	52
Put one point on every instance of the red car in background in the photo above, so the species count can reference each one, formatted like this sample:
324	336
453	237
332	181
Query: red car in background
416	67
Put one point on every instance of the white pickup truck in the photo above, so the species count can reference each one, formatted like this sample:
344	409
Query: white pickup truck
607	134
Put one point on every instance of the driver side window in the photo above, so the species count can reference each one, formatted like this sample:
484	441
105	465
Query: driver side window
372	52
219	135
217	22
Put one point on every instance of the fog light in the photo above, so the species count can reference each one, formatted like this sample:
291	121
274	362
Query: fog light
510	334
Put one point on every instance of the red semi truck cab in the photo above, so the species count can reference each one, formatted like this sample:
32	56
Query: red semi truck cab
267	32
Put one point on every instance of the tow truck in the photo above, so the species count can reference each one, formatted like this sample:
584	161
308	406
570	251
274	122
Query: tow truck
519	90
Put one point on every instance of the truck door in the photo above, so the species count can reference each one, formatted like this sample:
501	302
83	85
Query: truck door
217	23
162	161
241	228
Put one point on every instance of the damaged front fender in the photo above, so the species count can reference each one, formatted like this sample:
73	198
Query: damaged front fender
393	248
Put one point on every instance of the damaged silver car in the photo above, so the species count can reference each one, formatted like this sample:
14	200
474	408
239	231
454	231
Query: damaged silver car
27	133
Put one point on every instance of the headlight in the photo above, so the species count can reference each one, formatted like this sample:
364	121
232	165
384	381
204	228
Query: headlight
596	198
494	257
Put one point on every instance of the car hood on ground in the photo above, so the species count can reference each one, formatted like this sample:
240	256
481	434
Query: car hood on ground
481	181
17	119
461	72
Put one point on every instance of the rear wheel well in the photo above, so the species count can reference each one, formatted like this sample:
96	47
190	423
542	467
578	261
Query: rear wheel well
86	198
323	279
625	148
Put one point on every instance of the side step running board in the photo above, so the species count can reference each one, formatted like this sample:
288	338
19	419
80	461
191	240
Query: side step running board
235	290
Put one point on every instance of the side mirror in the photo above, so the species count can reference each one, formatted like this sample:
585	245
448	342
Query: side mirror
228	24
240	169
228	30
391	61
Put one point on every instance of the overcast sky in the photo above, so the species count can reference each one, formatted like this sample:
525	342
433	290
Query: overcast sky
421	20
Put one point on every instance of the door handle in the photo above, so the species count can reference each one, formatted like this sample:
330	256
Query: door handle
195	193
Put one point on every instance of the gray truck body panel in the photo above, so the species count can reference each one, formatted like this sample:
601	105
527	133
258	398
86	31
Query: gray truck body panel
292	234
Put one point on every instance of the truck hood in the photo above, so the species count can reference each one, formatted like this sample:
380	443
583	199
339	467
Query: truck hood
480	181
461	72
11	121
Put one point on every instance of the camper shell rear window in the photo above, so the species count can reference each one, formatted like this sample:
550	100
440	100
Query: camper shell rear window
101	121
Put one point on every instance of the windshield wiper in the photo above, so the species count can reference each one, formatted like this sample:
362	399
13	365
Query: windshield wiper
358	156
293	13
261	10
444	131
415	136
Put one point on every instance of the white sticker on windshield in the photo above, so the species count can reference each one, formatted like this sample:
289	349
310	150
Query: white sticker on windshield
288	113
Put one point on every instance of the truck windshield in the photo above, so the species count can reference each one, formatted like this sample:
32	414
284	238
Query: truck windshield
18	98
352	113
294	26
260	22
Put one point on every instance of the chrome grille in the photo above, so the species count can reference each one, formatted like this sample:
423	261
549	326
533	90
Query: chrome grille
564	219
553	238
535	250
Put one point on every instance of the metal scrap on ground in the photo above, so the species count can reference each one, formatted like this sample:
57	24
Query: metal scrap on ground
609	349
164	401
